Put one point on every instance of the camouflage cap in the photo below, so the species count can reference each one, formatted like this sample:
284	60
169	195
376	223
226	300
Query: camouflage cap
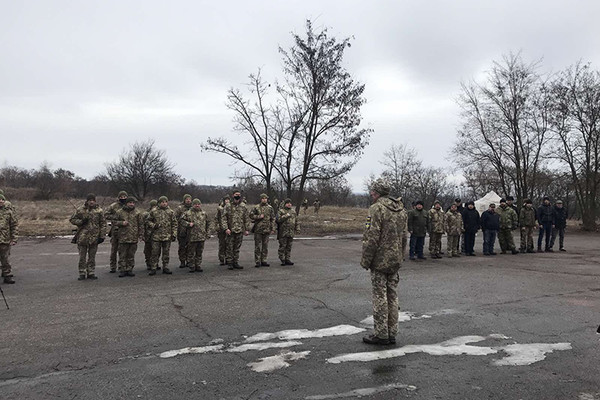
264	196
187	196
287	200
380	186
2	197
153	203
162	198
122	193
196	201
437	202
90	196
226	197
131	199
1	191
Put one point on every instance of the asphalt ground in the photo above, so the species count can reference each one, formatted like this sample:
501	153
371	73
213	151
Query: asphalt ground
502	327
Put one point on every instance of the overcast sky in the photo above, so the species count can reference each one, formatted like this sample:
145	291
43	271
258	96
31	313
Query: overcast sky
81	80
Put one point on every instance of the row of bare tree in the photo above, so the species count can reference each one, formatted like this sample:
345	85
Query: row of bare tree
521	127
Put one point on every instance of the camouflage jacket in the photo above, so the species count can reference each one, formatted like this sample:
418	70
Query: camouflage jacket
147	230
235	218
163	224
9	225
508	217
219	218
264	225
179	211
402	220
134	230
454	223
198	232
381	244
287	223
110	216
527	217
90	223
437	221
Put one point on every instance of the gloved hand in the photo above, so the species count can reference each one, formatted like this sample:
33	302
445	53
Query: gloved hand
173	238
100	240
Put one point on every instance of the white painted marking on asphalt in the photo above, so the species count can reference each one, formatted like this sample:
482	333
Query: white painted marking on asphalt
262	346
403	316
456	346
191	350
526	354
589	396
364	392
69	254
291	334
519	354
280	361
316	238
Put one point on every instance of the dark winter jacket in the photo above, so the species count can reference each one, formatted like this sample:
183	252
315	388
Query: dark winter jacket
545	214
418	222
560	217
471	220
490	221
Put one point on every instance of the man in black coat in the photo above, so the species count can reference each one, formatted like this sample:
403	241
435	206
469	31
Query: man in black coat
490	225
545	217
560	224
471	223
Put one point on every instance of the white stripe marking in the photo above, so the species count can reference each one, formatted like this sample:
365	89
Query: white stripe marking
234	349
292	334
280	361
262	346
364	392
191	350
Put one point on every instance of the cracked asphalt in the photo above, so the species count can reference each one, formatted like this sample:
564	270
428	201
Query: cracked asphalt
65	339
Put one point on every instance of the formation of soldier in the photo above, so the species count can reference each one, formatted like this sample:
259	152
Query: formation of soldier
160	225
495	223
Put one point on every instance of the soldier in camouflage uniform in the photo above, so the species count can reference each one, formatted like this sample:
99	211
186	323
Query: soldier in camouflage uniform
263	217
381	254
527	222
7	203
403	226
9	233
91	229
317	205
454	228
437	224
235	223
148	235
196	224
163	224
287	227
221	235
131	229
305	205
181	232
508	222
114	231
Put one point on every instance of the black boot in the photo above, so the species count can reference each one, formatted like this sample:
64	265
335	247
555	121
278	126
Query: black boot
9	280
372	339
152	272
81	278
257	265
288	262
182	265
265	264
130	273
92	276
166	271
122	274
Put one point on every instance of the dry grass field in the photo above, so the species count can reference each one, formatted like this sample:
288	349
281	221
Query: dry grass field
51	218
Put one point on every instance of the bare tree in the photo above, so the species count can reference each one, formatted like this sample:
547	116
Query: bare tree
323	102
506	124
576	122
141	167
401	167
262	125
45	182
430	184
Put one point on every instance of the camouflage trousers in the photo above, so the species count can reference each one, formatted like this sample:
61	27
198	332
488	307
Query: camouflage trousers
127	256
506	240
163	246
261	247
114	250
285	248
182	242
87	258
194	254
452	247
234	243
222	236
435	243
385	303
527	238
148	252
4	253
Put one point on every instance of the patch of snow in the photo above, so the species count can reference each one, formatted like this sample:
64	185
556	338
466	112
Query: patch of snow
280	361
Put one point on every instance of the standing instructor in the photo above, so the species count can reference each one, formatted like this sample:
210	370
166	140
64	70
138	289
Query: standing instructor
382	255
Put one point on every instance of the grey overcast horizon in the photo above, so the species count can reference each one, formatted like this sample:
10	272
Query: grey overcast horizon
81	80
